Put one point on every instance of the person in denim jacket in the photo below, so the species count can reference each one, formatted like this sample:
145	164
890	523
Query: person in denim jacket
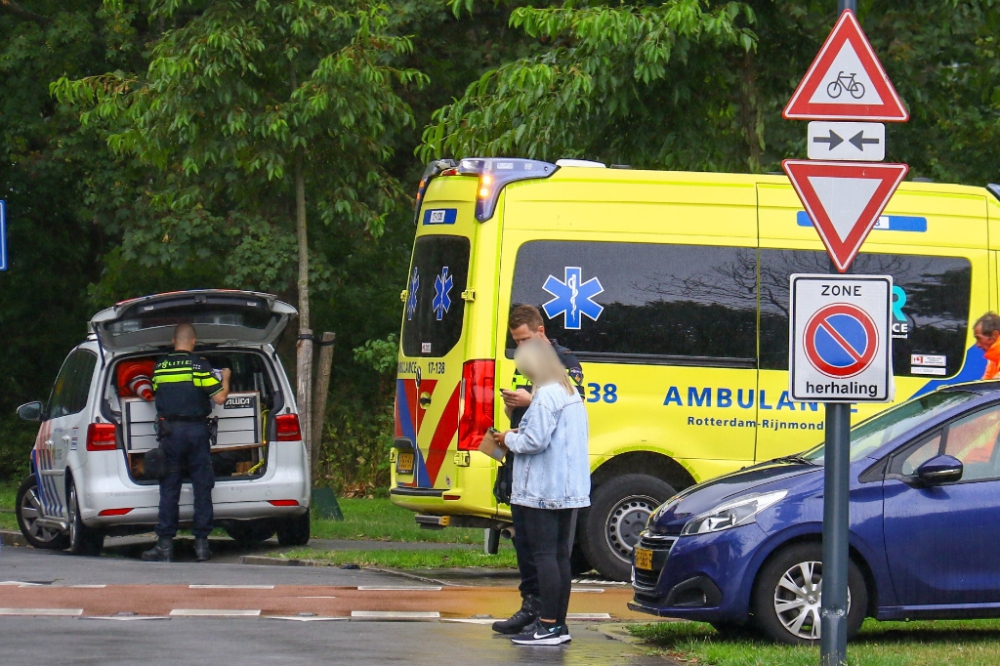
551	482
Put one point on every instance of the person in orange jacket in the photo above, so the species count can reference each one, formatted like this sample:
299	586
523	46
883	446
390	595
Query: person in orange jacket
987	334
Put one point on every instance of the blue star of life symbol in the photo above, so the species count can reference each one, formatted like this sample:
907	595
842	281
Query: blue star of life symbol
573	299
411	302
442	301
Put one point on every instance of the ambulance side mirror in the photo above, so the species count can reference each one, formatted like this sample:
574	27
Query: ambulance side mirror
31	411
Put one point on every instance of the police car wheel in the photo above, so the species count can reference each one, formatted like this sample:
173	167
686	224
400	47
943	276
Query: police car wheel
83	540
294	531
28	509
619	508
250	531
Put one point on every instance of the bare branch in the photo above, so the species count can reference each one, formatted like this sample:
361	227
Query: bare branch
12	7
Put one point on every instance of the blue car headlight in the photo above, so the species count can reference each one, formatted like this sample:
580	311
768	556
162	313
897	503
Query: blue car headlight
733	513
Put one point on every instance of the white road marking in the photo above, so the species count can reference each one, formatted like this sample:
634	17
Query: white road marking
42	611
469	620
19	583
231	587
126	618
212	612
302	618
586	590
394	615
398	588
588	616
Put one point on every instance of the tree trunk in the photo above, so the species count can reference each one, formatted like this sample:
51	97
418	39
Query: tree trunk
321	388
304	348
751	119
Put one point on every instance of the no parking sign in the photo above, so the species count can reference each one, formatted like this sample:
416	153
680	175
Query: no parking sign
840	348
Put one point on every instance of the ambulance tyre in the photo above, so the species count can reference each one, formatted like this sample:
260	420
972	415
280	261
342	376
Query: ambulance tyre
29	510
83	540
294	531
619	508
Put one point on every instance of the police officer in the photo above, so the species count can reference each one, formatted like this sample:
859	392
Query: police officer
185	389
525	323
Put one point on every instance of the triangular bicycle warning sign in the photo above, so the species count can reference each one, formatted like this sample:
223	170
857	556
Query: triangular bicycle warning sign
844	200
846	81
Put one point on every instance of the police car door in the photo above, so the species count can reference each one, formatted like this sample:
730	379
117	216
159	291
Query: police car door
65	418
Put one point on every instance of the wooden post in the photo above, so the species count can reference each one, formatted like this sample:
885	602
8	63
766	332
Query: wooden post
321	389
303	387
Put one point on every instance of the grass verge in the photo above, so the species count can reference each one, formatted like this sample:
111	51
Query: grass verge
381	520
932	643
411	559
8	495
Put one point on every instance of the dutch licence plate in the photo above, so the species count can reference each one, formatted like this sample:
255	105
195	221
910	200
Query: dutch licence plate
404	463
643	559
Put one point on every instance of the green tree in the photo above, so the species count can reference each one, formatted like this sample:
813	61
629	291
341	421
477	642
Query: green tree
245	106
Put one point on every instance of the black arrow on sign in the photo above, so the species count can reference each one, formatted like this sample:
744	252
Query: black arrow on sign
859	141
834	140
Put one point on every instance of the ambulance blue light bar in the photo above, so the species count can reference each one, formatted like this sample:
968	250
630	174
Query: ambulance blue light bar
497	172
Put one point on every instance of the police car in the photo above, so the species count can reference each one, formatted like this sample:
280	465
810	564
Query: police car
87	477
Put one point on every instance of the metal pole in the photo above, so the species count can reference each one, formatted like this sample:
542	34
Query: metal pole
836	517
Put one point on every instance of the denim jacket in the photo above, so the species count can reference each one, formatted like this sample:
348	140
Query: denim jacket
551	465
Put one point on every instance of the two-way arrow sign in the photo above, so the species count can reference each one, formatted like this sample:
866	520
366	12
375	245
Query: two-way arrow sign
864	142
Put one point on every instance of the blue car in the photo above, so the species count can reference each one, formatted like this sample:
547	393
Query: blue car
743	551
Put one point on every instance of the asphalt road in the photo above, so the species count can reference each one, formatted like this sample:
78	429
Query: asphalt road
454	628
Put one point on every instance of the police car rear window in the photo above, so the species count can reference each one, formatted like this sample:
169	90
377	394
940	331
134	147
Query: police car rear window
435	312
219	315
680	303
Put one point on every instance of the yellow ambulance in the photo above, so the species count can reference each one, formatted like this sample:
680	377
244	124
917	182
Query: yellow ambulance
672	290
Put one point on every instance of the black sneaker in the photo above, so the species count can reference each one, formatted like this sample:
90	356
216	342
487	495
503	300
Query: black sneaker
564	636
517	622
539	634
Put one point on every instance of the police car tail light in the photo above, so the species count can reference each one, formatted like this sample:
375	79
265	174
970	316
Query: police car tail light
475	403
288	427
101	437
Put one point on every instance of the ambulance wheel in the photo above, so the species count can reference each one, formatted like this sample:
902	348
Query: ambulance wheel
29	510
250	531
294	531
619	509
83	540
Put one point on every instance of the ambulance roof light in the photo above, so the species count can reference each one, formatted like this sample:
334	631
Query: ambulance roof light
497	172
586	164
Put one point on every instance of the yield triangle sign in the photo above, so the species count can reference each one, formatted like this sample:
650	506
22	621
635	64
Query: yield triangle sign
846	81
844	200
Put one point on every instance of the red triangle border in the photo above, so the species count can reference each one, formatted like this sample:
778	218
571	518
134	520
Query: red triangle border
843	252
847	29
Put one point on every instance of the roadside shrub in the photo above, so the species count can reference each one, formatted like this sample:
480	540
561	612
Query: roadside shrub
16	439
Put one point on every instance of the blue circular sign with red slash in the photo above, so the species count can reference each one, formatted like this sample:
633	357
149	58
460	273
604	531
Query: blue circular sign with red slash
840	340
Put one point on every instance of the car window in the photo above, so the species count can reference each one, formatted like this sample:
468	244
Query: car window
908	464
973	440
435	310
605	299
72	387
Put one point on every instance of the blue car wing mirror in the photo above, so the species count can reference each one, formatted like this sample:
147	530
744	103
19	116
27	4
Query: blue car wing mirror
940	469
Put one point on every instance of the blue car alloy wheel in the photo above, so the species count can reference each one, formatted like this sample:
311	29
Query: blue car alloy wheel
788	595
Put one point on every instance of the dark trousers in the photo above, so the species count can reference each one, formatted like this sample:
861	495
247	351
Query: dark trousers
550	538
187	450
525	560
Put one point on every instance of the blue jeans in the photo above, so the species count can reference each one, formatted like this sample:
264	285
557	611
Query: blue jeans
186	449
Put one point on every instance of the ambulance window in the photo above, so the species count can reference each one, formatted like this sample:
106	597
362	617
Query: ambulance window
434	311
659	301
72	387
930	314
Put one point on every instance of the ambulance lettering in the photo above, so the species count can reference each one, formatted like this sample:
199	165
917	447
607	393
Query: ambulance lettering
703	396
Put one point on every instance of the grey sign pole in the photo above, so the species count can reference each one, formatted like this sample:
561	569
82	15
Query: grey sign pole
836	516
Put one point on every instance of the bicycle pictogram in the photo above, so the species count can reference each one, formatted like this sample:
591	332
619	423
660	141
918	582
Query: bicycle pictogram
845	82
